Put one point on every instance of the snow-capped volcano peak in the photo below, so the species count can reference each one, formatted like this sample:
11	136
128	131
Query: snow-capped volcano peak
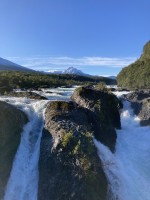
73	70
69	70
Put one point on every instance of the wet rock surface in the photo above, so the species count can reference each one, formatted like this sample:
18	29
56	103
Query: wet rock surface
104	107
12	121
140	102
69	166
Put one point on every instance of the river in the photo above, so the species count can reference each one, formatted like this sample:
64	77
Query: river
127	169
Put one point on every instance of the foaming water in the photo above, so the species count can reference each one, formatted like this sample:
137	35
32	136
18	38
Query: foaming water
127	170
23	181
59	93
133	156
111	170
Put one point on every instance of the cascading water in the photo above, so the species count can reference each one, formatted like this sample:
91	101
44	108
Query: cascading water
23	181
127	170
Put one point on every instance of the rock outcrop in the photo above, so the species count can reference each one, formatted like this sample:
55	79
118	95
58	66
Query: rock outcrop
12	121
104	107
140	102
69	166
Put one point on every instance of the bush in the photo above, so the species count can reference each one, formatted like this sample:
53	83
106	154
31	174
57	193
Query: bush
101	86
62	105
67	139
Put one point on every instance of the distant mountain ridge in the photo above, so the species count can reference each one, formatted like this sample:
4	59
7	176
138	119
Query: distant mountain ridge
69	70
112	77
8	65
73	70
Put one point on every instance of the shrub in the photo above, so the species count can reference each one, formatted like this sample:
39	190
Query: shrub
66	139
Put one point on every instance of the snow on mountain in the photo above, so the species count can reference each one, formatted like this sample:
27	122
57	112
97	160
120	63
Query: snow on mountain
54	72
73	70
8	65
70	70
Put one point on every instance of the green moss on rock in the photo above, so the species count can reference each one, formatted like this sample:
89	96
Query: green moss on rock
104	112
61	105
71	165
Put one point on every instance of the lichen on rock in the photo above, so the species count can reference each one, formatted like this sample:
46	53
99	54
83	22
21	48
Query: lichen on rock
104	112
72	166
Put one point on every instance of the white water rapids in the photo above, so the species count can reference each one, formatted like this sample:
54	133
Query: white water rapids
23	181
127	170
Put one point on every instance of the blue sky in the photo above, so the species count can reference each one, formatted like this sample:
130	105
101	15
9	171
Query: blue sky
96	36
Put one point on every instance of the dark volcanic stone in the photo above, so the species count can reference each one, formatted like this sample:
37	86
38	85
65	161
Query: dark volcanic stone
69	167
12	121
104	109
140	102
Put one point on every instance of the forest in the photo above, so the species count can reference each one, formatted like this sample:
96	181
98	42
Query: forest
137	75
10	80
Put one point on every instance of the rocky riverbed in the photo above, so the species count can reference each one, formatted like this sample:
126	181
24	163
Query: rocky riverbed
140	102
69	166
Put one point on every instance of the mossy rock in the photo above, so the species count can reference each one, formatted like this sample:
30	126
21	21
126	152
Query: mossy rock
104	112
69	163
61	106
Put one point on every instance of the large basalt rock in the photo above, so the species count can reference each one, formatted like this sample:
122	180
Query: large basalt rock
140	102
104	107
12	121
69	167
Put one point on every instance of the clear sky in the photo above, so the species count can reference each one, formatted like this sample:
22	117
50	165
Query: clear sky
96	36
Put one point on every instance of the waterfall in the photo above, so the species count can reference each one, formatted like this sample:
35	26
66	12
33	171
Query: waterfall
127	170
23	181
